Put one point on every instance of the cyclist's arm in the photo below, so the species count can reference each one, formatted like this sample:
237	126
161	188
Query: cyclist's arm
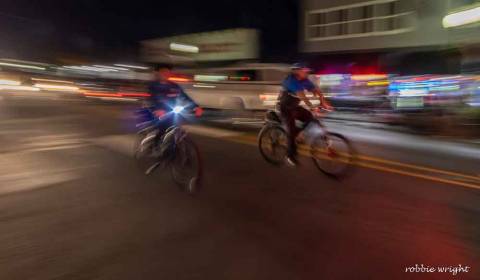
304	98
321	98
190	103
323	101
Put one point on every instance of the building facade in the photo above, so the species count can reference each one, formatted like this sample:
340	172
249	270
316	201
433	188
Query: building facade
390	26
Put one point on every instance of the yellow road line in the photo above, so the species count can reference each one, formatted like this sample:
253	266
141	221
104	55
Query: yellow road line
427	177
407	173
417	167
305	152
401	164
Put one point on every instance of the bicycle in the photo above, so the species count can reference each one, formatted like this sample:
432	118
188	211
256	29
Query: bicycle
174	149
332	153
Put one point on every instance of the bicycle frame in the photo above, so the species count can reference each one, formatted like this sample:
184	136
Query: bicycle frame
150	128
312	130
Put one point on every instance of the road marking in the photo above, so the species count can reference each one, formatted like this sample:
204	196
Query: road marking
18	121
125	145
396	163
411	174
54	148
27	172
211	131
29	181
50	142
418	167
303	151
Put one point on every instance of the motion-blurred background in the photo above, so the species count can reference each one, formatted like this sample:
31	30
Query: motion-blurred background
413	63
403	76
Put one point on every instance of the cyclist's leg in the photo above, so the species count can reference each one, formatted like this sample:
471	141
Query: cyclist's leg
305	116
288	114
162	126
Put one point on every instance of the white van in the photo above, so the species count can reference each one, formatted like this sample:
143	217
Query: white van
253	86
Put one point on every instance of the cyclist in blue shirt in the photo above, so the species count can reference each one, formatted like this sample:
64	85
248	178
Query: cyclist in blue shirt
293	92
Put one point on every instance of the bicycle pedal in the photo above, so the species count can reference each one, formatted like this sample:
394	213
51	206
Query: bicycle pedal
152	168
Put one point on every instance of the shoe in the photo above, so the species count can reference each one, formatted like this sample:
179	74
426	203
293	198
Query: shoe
292	162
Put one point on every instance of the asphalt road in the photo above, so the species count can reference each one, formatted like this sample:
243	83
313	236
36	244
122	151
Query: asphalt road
73	205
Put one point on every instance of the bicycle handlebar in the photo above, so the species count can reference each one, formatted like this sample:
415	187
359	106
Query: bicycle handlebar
321	108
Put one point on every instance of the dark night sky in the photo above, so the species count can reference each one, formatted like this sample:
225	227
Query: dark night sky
45	29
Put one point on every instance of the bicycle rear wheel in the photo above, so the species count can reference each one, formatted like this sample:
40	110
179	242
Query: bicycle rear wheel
333	154
186	166
272	142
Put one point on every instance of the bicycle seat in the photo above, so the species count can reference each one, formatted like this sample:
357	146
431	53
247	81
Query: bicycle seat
273	116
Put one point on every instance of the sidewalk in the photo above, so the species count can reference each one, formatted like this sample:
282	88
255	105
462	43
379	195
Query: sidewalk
256	119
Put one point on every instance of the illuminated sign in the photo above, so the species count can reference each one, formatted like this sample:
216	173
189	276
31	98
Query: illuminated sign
464	17
183	48
230	44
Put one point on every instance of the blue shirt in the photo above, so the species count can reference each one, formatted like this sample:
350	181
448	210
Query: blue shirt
167	93
292	85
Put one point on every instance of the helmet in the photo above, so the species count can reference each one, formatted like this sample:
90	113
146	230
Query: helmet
300	66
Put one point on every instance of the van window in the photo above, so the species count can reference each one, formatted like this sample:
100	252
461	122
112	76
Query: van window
243	76
273	75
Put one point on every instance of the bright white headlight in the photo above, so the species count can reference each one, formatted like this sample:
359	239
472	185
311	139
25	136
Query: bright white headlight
178	109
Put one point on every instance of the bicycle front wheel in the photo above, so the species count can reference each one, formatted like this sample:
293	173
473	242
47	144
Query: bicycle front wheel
333	154
186	166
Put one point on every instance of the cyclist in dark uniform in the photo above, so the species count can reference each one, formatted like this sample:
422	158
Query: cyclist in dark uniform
293	92
165	95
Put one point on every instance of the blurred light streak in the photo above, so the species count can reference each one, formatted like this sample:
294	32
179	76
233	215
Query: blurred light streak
378	83
132	66
184	48
210	78
114	98
368	77
22	66
89	68
268	96
241	78
54	81
134	94
204	86
179	79
462	18
56	87
111	67
456	77
25	88
101	94
413	92
116	94
330	79
445	88
269	102
9	82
